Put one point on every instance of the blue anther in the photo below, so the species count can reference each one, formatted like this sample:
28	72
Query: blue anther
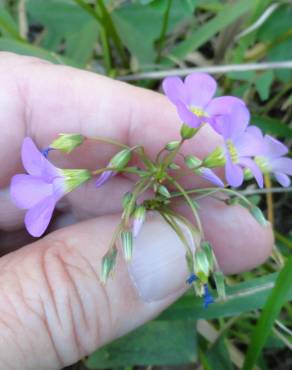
208	298
191	278
45	152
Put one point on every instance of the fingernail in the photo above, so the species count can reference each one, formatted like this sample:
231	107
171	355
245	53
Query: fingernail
158	267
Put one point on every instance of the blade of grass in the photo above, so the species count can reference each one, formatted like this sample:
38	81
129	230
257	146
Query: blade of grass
270	312
227	15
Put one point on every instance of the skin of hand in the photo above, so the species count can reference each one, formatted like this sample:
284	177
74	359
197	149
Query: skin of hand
53	308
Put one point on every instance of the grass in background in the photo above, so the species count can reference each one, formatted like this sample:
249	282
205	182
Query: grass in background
139	40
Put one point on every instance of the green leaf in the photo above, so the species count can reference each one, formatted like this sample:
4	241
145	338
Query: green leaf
263	84
140	26
271	310
7	25
27	49
66	24
272	126
243	297
156	343
218	356
225	17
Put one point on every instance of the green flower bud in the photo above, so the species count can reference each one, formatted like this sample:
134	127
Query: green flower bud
163	191
108	264
174	166
67	142
127	244
206	246
121	159
201	265
172	145
74	178
259	216
187	132
215	158
220	284
192	162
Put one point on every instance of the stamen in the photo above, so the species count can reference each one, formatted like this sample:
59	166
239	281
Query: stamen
232	151
263	164
208	298
45	151
191	278
198	111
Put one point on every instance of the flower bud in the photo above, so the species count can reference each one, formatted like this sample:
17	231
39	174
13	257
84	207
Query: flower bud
174	166
127	198
192	162
220	284
67	142
206	246
121	159
74	178
163	191
258	215
127	244
139	218
172	145
215	158
201	265
108	264
187	132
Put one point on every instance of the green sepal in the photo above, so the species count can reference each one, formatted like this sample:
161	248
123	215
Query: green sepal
74	178
127	244
187	132
121	159
163	191
192	162
215	158
67	142
220	284
108	264
172	145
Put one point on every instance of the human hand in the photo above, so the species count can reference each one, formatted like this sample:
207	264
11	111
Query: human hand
54	309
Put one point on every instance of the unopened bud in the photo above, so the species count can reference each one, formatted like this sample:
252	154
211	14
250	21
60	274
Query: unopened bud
258	215
220	284
127	244
174	166
67	142
139	218
206	246
192	162
201	265
187	132
163	191
127	202
108	264
172	145
121	159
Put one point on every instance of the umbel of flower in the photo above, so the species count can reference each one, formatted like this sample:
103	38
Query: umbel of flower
43	186
193	98
239	148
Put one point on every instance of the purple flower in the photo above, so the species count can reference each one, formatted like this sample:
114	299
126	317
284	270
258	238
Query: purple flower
271	158
193	98
43	186
240	145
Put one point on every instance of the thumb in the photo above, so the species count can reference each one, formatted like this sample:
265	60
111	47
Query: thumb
54	310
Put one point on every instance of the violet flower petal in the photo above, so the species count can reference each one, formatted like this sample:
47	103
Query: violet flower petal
248	145
282	179
210	175
255	131
26	190
273	147
35	163
200	88
174	89
187	116
104	177
249	163
281	164
239	117
233	173
38	217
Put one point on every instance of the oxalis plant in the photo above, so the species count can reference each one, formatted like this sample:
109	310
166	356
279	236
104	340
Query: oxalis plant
244	153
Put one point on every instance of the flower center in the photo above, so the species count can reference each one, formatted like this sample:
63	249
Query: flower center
263	164
198	111
232	151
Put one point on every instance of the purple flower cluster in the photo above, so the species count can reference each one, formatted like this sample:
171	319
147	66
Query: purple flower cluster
245	148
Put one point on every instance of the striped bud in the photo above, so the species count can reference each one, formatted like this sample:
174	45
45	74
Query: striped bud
67	142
